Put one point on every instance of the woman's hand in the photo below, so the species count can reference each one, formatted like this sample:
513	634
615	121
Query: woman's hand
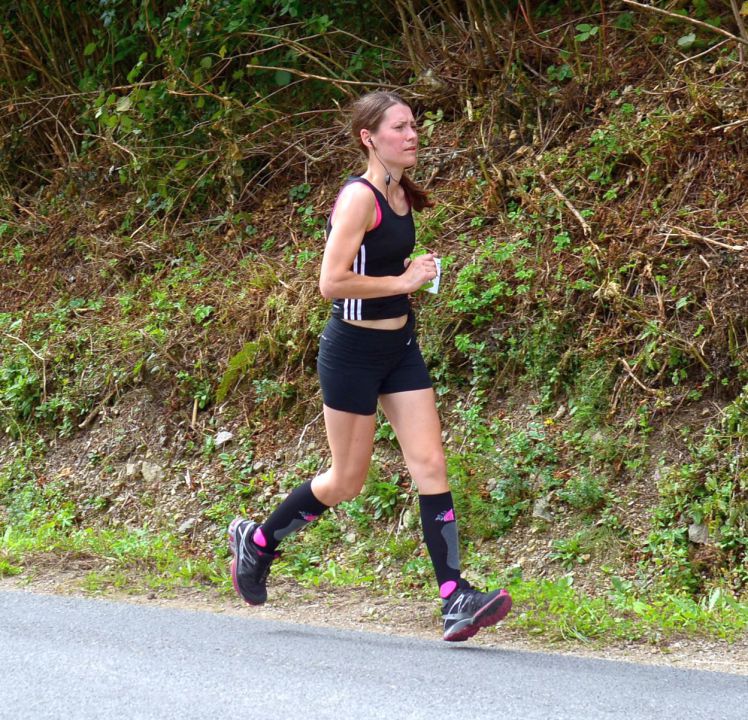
418	271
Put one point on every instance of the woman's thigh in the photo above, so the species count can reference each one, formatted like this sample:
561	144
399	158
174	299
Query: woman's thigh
351	440
415	420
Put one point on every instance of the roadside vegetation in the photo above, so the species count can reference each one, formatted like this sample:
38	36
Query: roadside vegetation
166	171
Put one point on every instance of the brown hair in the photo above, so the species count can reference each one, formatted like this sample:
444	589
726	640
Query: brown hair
368	113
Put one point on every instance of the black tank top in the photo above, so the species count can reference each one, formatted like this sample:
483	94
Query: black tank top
383	251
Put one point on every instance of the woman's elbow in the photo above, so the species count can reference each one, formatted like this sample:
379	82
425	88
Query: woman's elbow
326	289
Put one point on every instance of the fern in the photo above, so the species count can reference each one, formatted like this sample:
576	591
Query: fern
238	365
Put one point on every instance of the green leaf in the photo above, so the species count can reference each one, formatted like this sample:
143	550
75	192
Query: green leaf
207	62
744	9
123	104
686	41
237	366
625	21
282	77
202	312
90	49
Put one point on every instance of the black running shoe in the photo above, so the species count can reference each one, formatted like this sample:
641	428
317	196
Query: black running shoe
250	565
466	611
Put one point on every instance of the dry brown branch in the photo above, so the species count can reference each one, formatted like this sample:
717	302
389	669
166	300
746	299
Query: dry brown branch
701	54
729	127
585	225
710	241
97	409
297	45
332	81
685	18
631	374
739	20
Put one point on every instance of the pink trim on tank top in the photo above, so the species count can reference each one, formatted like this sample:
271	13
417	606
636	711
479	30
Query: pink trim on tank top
379	213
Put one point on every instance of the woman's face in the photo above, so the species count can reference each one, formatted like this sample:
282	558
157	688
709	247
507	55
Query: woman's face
396	138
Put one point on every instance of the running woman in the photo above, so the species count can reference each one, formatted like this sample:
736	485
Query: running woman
369	354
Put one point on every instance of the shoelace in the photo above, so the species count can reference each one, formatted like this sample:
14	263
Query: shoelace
457	606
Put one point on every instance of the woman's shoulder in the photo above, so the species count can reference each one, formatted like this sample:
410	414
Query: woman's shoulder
355	201
356	193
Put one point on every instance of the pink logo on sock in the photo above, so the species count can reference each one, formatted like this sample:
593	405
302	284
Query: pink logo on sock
446	515
309	518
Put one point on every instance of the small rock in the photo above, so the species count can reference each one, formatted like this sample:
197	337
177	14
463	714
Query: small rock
132	470
542	510
259	465
223	437
187	525
698	533
152	472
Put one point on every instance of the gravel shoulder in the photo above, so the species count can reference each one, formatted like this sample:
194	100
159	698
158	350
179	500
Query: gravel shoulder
358	609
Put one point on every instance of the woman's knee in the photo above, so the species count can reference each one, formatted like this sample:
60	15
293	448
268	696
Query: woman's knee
336	487
429	465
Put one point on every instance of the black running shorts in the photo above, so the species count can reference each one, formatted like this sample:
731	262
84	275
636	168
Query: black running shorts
356	365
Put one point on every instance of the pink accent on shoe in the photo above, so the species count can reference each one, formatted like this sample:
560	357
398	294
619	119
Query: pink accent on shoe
259	539
447	588
493	612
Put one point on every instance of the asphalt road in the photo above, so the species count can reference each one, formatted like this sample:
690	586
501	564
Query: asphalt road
76	659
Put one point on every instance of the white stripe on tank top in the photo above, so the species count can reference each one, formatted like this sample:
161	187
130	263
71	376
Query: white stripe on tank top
352	308
363	272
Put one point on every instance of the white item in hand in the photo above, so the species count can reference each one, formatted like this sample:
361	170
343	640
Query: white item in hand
434	286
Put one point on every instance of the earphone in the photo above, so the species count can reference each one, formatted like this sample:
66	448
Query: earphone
388	176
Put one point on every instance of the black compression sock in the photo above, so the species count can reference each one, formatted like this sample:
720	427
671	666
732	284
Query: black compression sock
440	534
298	509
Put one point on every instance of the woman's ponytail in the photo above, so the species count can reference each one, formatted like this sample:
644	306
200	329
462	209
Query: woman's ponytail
417	196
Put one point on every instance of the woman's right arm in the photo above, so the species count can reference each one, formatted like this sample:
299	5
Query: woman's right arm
354	212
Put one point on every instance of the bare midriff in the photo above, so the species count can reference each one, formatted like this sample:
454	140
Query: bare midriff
394	323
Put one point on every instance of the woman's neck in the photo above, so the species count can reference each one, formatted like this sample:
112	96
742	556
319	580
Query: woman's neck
377	176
